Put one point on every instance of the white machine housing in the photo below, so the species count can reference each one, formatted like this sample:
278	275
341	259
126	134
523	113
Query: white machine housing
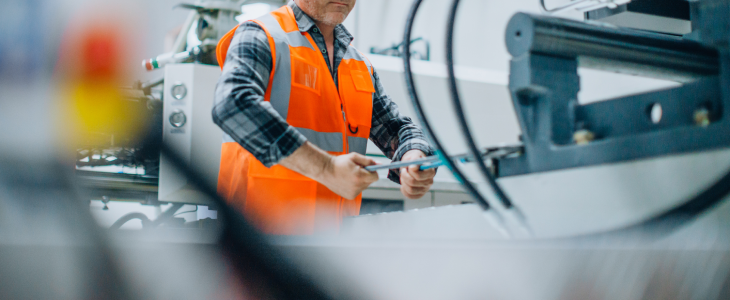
197	140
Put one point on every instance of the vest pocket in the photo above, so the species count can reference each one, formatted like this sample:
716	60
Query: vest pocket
280	201
305	75
362	81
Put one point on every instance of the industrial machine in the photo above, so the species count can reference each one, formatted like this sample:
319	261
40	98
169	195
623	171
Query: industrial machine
571	149
560	134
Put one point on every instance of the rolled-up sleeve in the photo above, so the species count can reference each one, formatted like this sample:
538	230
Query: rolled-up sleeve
240	109
392	132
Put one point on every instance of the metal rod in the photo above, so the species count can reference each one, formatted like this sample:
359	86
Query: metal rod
401	164
181	40
613	48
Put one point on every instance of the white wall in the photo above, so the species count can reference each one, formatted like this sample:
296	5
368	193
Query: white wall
479	30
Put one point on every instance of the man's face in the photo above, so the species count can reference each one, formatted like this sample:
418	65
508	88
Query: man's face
330	12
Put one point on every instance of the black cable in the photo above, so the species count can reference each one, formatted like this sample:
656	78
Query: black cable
459	110
422	117
146	223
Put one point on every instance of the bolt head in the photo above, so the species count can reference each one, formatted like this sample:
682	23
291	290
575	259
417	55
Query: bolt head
702	117
582	137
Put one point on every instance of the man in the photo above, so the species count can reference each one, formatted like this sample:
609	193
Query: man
298	104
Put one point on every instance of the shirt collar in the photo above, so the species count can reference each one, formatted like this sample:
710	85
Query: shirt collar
306	23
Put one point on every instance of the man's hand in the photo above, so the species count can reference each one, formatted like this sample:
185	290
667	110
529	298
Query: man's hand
415	183
346	176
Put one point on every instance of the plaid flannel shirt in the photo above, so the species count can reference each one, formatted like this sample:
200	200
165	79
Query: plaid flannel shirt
242	113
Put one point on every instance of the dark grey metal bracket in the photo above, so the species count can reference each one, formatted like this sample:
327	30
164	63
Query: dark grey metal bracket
559	133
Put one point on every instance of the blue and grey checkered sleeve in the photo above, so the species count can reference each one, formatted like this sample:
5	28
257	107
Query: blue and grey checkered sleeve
240	109
392	132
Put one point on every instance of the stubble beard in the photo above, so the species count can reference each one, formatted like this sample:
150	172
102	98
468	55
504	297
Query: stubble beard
333	19
330	19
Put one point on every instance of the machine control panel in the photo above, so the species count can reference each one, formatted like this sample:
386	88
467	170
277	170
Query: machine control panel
189	129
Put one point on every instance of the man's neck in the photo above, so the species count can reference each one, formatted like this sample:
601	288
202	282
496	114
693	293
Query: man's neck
328	31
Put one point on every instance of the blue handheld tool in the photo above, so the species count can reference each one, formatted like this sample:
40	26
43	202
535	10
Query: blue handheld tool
435	162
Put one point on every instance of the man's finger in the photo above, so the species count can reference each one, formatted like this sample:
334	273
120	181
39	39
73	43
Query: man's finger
369	176
417	174
415	190
412	194
362	160
407	179
425	183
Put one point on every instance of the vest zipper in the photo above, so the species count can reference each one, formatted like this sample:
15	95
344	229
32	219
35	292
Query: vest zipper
344	118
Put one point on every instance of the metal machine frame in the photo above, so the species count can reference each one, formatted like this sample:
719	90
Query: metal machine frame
559	133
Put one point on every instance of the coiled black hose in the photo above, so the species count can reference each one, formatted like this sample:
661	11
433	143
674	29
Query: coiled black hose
445	157
459	110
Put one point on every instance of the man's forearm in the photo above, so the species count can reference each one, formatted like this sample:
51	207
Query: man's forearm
309	161
342	174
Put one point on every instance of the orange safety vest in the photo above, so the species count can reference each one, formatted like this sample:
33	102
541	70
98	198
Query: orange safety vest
278	200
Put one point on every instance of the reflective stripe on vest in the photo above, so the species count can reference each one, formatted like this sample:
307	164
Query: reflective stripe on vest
327	141
352	53
357	144
282	67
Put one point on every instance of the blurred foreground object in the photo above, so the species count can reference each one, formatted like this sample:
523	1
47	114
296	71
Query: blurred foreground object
50	246
91	71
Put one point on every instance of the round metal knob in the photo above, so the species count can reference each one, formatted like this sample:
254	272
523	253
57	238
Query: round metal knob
178	119
179	91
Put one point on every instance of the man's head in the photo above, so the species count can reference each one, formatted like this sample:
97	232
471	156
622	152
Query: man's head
329	12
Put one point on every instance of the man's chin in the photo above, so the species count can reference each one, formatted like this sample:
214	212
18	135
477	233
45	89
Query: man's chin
334	19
